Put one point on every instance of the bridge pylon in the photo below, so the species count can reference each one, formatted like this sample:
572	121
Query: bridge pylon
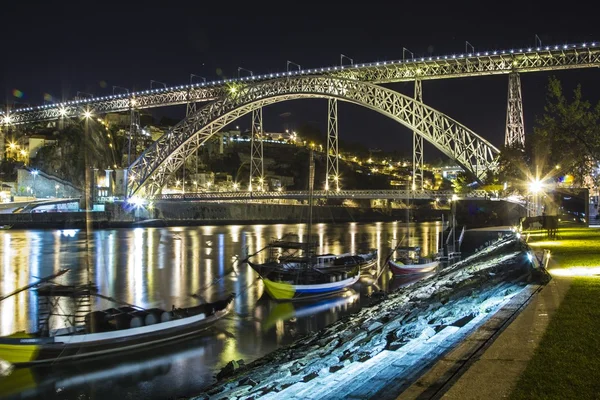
417	182
515	128
332	179
190	109
256	151
134	124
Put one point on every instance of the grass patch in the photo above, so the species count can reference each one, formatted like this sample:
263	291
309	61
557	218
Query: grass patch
567	362
575	247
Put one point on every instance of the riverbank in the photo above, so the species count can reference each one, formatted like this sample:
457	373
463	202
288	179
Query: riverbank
380	350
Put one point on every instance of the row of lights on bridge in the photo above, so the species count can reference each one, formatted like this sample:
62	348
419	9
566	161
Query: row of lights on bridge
293	73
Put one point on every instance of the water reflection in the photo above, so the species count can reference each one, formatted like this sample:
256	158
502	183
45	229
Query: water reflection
162	267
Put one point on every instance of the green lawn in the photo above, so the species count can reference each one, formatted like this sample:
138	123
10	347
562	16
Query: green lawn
566	364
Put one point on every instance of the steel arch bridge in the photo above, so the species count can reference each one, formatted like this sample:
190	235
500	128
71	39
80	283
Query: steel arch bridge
150	172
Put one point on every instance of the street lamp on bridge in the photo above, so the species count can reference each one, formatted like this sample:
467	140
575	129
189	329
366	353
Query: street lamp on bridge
244	69
162	83
342	56
293	63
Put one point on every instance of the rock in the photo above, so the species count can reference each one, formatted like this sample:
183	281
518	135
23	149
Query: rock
310	377
230	369
335	368
375	325
248	381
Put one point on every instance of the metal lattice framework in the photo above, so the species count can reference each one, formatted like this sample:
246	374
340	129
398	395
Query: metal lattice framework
340	194
515	128
332	146
257	171
418	144
149	173
134	126
436	67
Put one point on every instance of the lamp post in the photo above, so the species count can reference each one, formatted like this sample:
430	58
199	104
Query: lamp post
89	184
534	188
35	173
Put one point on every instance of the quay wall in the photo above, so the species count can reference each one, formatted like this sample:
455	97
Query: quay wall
469	213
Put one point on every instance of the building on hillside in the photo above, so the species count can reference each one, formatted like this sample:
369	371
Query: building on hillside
36	142
451	172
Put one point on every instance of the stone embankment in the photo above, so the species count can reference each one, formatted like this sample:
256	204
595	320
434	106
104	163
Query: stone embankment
327	364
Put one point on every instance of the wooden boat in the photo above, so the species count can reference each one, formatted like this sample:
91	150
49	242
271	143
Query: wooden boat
108	331
329	283
398	268
303	274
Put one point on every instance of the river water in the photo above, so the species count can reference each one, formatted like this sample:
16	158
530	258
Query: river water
162	267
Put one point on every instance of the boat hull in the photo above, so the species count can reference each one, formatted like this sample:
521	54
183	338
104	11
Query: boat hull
412	269
24	349
283	291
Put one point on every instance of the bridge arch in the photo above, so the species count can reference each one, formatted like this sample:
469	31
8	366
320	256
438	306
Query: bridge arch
149	173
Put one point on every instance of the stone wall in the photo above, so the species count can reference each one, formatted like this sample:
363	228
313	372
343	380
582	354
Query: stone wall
44	186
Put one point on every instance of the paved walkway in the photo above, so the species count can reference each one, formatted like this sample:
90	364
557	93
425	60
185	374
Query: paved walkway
489	362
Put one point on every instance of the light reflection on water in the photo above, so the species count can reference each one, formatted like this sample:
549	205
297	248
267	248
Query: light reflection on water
162	267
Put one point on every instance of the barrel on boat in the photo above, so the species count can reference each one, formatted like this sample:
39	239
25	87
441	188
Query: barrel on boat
96	321
138	318
153	316
122	321
166	316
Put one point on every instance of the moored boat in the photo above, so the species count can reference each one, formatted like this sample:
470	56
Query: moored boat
5	227
399	269
107	332
290	290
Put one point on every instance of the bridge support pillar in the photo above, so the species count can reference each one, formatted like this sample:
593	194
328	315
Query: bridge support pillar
190	109
134	123
515	128
332	179
256	150
417	182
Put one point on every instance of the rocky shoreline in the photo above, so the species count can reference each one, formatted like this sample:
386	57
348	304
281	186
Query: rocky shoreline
391	323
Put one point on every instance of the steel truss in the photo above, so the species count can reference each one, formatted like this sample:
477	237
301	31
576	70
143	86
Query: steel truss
515	128
524	60
150	172
134	126
257	171
341	194
332	173
418	143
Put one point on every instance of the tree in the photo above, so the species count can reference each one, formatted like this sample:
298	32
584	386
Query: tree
462	182
311	133
566	139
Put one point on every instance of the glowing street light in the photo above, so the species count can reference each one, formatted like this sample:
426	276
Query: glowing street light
535	186
87	114
56	190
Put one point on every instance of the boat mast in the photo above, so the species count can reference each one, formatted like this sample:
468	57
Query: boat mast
311	179
407	218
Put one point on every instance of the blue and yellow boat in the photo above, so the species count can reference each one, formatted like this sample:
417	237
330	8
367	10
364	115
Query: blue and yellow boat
282	290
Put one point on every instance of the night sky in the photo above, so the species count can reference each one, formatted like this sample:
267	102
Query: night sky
52	51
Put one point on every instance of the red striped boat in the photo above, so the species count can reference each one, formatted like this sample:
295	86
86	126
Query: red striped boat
398	268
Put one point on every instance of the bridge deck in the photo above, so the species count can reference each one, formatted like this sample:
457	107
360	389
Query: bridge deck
544	58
